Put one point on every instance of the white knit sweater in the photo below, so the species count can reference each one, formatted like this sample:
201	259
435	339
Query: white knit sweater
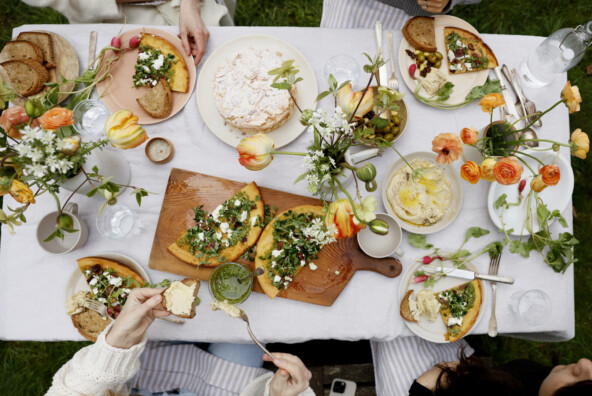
100	368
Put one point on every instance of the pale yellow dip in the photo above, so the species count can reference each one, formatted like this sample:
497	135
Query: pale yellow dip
179	298
433	81
426	304
230	309
423	201
76	304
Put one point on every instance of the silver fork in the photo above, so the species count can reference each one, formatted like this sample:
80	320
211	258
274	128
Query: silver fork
393	82
101	309
493	270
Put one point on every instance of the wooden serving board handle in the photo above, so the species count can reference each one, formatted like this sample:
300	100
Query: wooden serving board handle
388	266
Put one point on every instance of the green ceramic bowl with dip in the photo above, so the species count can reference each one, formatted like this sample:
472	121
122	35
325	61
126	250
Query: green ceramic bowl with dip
224	285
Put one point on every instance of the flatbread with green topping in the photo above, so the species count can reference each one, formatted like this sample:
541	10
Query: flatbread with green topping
460	303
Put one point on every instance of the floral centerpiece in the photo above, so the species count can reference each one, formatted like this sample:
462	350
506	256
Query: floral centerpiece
504	163
334	133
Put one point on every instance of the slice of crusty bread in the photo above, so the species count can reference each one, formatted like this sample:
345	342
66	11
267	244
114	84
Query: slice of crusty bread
20	49
419	32
179	82
26	76
90	324
187	282
158	101
405	310
43	40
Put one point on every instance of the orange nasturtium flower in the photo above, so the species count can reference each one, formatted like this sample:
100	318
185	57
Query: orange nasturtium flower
56	118
470	171
21	192
123	131
469	135
448	147
491	101
487	169
571	97
255	152
508	171
550	174
348	101
537	184
580	143
341	216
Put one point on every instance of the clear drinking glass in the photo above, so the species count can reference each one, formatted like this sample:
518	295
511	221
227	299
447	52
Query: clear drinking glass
118	221
89	119
532	306
343	68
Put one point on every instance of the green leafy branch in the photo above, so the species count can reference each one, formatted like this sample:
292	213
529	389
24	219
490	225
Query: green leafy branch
287	73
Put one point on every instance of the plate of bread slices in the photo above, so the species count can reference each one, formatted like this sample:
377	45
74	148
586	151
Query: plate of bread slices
443	50
439	308
34	58
154	81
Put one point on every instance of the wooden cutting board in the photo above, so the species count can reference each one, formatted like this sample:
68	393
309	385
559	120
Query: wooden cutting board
337	262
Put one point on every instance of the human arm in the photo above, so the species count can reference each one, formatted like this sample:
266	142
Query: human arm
442	6
192	30
114	358
81	11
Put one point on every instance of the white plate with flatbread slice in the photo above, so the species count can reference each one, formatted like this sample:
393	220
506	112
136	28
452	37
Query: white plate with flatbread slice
463	83
306	94
436	331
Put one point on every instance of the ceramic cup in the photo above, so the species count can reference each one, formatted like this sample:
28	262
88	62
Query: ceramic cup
379	246
71	241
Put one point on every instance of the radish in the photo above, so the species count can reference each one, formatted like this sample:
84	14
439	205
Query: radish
134	42
116	42
412	69
427	259
419	279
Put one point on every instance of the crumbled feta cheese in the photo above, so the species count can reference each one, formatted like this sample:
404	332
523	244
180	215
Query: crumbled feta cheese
450	55
200	236
254	221
286	283
288	278
126	290
115	281
216	213
468	66
146	68
87	272
277	279
115	303
158	62
154	82
237	203
276	253
102	299
224	227
273	264
454	321
243	216
302	263
93	281
218	235
336	272
312	266
143	55
96	290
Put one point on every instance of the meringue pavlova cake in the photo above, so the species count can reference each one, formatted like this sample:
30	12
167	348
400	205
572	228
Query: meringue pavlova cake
244	95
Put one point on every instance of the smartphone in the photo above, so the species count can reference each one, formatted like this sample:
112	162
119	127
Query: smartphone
342	387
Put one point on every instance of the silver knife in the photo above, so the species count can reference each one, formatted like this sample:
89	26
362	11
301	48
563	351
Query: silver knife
464	274
382	70
92	48
512	113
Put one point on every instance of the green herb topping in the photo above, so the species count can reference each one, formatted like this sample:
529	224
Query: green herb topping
151	66
109	288
458	300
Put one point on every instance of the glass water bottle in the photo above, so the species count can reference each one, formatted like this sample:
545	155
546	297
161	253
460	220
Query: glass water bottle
558	53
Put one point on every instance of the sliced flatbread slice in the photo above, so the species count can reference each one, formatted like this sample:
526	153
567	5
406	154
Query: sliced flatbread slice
86	263
179	82
90	324
266	243
26	76
419	32
182	250
467	52
179	298
42	40
158	101
465	293
20	49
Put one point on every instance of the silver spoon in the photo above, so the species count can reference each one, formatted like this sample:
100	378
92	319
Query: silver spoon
257	272
529	105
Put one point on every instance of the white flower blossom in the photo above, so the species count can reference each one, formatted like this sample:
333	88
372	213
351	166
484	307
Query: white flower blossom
35	154
28	133
313	183
36	170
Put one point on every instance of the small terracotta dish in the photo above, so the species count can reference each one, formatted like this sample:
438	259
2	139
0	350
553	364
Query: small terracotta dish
159	150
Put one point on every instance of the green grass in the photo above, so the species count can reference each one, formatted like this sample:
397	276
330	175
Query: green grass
27	367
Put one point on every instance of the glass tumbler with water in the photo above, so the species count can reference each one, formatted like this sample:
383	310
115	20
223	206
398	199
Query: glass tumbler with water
532	306
89	119
343	68
118	221
559	52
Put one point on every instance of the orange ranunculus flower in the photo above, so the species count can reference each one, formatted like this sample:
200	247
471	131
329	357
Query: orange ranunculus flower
470	171
448	147
580	143
537	184
469	135
123	131
487	169
571	97
508	171
21	192
348	101
255	152
341	216
550	174
56	118
491	101
10	120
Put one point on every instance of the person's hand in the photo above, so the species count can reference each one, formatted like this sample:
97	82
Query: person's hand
282	384
192	31
138	313
433	6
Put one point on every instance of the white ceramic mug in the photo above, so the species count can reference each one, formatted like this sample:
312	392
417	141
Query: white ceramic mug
379	246
71	241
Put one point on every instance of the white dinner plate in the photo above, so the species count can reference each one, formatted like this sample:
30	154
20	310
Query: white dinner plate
305	95
463	82
435	331
455	203
555	197
78	283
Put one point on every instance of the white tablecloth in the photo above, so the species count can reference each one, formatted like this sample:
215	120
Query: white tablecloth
32	282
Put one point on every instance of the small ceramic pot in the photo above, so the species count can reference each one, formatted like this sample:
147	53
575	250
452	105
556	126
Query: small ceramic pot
71	241
379	246
502	148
